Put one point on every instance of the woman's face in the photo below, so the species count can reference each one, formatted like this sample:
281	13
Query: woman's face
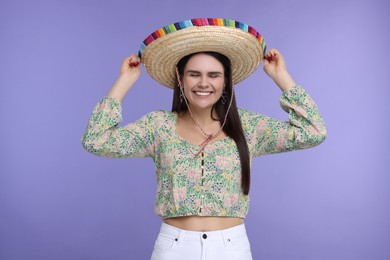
203	81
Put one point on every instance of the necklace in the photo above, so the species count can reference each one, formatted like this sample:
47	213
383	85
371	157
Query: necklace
211	136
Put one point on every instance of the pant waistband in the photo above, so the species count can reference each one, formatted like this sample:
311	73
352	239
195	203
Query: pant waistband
225	234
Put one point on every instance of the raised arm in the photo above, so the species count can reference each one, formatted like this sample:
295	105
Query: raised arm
276	69
103	137
305	127
129	74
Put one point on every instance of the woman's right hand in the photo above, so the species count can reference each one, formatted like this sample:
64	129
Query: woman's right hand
129	74
131	67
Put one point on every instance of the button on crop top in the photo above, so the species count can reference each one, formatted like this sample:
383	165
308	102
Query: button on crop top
210	184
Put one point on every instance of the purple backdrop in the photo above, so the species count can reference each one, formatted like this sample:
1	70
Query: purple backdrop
58	58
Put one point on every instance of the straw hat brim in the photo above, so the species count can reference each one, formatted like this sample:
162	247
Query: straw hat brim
243	49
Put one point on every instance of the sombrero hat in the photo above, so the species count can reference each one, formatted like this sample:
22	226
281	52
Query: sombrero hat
162	50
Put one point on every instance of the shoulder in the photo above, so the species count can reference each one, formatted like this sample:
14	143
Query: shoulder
160	115
159	119
246	115
250	119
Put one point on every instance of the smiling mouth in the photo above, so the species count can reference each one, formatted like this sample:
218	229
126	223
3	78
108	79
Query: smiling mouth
202	93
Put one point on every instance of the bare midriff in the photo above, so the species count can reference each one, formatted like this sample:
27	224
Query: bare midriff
202	224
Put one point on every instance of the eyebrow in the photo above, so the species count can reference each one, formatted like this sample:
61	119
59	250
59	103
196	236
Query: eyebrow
211	72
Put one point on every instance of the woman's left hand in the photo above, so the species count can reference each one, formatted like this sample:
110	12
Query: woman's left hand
275	67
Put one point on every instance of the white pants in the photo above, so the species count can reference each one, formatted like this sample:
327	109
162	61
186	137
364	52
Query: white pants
177	244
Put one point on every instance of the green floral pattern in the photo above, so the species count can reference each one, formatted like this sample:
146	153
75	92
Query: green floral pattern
181	189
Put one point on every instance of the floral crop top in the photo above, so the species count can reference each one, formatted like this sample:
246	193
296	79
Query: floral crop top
210	184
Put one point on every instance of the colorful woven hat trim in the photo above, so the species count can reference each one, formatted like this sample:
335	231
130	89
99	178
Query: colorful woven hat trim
200	22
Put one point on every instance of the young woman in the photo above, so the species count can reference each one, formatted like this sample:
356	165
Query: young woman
202	149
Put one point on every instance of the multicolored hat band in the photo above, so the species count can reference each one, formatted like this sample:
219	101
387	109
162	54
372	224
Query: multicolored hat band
162	50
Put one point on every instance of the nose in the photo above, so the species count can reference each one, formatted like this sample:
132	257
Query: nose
203	83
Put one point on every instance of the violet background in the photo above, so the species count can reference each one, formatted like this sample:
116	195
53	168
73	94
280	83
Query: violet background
58	58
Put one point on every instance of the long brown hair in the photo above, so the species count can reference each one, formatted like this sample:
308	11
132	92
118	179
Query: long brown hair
233	127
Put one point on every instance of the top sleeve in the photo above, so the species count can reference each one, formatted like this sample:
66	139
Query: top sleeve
103	137
304	129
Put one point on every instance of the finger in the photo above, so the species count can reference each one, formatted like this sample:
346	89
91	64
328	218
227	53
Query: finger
132	57
133	60
274	53
268	55
270	51
274	56
134	64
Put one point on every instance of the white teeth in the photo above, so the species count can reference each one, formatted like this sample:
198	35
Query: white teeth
202	93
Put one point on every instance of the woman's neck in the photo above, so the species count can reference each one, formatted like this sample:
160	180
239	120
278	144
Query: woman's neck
203	116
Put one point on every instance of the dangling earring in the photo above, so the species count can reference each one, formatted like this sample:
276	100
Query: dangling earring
223	96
